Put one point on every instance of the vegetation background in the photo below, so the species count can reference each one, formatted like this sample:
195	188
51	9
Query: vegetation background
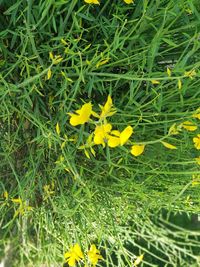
125	205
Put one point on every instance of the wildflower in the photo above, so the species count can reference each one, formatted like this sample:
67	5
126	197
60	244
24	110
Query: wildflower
196	141
179	84
102	62
137	150
96	2
74	254
48	190
94	255
125	135
49	73
57	128
195	179
107	110
23	207
82	115
174	129
188	125
101	134
167	145
128	1
197	160
55	59
88	145
113	141
155	82
169	73
190	74
138	260
5	195
114	138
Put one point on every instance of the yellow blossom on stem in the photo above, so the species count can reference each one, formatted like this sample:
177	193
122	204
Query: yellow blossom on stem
96	2
169	73
107	110
5	195
128	1
82	115
73	255
174	129
155	82
101	134
57	128
138	260
102	62
167	145
190	74
23	207
179	84
188	125
113	141
125	135
94	255
196	141
137	150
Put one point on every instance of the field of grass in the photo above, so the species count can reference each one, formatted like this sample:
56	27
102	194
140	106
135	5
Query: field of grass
66	179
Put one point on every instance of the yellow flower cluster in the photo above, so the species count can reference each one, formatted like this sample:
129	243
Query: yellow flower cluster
75	255
22	208
103	134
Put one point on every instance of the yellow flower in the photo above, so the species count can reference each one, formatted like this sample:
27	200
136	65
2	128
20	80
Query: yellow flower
102	62
169	73
125	135
96	2
174	129
49	73
197	160
137	150
101	134
196	141
23	207
74	254
82	115
128	1
5	195
167	145
138	260
155	82
188	125
48	190
107	110
179	84
195	179
113	141
94	255
55	59
190	74
57	128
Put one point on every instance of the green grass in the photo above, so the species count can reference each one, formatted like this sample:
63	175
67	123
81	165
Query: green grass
125	205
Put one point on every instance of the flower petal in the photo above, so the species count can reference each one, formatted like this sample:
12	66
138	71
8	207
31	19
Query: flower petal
125	135
188	125
113	141
137	150
167	145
